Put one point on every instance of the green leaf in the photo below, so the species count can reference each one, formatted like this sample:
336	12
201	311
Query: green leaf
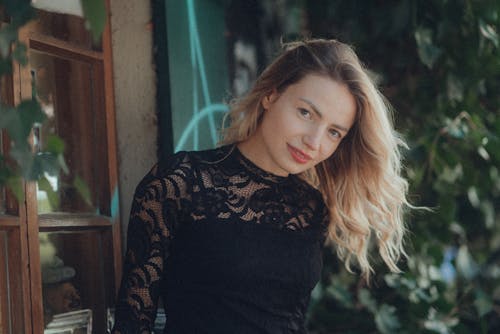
54	144
8	34
488	211
386	319
20	11
341	294
392	280
483	303
15	184
483	153
454	88
95	14
466	266
456	129
457	229
488	31
46	162
367	300
439	326
451	175
427	51
19	121
24	158
473	197
83	189
8	117
31	113
52	196
62	163
20	53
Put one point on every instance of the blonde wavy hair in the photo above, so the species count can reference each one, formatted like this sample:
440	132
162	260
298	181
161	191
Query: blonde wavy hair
361	182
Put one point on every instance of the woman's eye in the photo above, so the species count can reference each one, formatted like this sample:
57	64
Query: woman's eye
305	113
334	133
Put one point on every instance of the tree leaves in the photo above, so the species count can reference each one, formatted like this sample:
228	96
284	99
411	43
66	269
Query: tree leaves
8	34
386	319
19	121
483	303
427	51
385	315
466	266
20	11
439	323
52	196
489	32
95	13
54	144
443	80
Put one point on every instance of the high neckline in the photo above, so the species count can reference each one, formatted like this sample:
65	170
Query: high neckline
254	169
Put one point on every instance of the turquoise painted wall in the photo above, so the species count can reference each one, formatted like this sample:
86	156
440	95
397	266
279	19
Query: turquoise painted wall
198	71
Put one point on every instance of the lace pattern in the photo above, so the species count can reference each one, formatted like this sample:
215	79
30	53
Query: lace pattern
216	185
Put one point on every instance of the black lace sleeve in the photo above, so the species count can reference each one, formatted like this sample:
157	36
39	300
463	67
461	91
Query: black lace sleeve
153	218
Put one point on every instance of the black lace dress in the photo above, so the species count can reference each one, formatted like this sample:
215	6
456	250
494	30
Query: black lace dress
229	247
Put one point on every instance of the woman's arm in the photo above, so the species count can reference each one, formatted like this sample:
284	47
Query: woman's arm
148	237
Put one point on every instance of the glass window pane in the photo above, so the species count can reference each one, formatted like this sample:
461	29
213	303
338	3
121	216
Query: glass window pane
77	284
66	91
66	27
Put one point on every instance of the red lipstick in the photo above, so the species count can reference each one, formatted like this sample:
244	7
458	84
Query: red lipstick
298	155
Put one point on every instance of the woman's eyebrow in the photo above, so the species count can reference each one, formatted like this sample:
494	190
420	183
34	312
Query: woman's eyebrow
320	115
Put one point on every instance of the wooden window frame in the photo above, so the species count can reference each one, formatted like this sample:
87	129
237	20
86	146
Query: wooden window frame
22	222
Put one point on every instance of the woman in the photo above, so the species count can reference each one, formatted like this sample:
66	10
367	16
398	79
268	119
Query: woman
231	238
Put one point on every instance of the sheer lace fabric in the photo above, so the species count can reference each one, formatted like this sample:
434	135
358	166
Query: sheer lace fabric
229	247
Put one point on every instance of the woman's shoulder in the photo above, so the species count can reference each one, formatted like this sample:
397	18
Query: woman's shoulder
171	176
174	163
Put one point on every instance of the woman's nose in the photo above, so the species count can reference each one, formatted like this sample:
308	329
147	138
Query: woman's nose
313	140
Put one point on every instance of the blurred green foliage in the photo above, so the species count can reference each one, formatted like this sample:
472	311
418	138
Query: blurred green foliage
438	62
21	162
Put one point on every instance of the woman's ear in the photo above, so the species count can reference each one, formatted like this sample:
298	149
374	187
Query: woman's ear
269	99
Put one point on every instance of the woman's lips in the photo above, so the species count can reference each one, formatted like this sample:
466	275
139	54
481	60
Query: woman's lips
298	155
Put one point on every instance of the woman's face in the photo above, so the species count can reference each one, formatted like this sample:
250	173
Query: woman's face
301	126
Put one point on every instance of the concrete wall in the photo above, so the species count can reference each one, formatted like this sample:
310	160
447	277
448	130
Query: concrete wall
135	90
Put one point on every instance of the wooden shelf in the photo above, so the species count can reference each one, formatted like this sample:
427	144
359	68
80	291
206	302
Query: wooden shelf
66	220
